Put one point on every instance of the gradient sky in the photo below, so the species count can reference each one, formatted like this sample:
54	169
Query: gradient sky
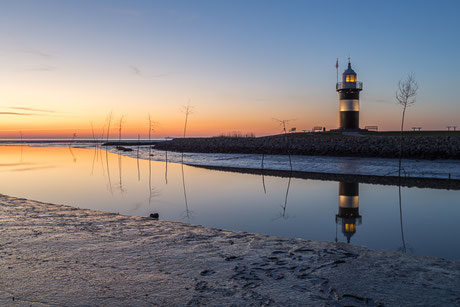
65	64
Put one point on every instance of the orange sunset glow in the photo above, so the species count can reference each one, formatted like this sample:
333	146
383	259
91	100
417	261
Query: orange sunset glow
65	74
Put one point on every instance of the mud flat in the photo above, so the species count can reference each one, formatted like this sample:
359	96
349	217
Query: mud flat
59	255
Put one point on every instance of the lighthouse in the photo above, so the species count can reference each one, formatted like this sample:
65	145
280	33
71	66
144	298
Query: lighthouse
348	91
348	214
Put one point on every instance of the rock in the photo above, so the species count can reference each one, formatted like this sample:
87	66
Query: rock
121	148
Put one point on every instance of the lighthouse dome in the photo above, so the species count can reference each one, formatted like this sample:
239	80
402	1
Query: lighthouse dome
349	75
349	70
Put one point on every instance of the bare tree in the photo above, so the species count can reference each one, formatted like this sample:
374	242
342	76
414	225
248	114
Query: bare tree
284	123
152	125
150	129
405	96
109	119
92	130
187	110
120	127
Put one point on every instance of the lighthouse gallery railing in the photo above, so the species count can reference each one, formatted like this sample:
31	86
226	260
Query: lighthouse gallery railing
344	85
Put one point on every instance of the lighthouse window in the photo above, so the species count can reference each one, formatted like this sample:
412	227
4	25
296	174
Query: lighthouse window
351	78
350	227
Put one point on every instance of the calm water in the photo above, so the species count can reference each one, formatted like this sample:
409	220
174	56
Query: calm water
367	215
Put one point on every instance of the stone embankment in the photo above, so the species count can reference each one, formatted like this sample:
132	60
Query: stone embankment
325	144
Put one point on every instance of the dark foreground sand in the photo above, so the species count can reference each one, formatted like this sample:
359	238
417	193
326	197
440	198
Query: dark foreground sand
59	255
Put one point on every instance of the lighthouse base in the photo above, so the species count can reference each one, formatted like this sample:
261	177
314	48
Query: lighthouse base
349	119
340	130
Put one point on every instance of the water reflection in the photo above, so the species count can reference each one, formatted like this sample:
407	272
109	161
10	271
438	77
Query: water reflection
120	168
348	212
304	207
150	175
108	172
187	211
403	247
348	215
263	173
166	167
284	207
70	148
137	158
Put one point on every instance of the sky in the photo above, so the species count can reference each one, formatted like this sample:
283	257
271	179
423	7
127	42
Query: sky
66	65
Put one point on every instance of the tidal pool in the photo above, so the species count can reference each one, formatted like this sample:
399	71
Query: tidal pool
424	223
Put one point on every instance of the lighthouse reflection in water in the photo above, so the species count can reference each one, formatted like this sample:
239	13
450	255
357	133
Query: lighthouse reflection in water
348	215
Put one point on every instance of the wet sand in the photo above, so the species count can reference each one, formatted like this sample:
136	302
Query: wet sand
58	255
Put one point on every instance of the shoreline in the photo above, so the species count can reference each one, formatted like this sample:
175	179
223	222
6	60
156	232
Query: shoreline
418	182
56	254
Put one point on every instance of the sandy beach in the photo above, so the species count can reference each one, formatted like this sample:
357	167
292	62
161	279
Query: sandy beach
59	255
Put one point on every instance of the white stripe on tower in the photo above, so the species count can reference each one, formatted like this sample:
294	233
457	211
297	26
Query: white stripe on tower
349	105
348	201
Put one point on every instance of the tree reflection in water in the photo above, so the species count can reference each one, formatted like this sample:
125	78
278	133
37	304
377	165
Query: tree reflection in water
187	211
137	156
108	170
263	174
403	247
283	214
22	145
166	167
150	175
94	158
120	167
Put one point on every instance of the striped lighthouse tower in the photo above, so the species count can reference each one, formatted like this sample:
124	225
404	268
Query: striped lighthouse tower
348	91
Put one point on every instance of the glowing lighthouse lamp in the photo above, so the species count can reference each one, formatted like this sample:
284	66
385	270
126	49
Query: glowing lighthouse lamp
348	91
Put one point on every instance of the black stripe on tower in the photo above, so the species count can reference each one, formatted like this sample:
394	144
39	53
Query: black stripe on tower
348	188
348	95
348	212
349	119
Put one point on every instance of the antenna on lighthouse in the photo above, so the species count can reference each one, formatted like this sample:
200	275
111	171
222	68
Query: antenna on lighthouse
337	68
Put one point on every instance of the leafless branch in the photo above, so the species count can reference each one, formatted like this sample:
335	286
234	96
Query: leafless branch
109	119
284	123
405	96
407	91
119	127
187	110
